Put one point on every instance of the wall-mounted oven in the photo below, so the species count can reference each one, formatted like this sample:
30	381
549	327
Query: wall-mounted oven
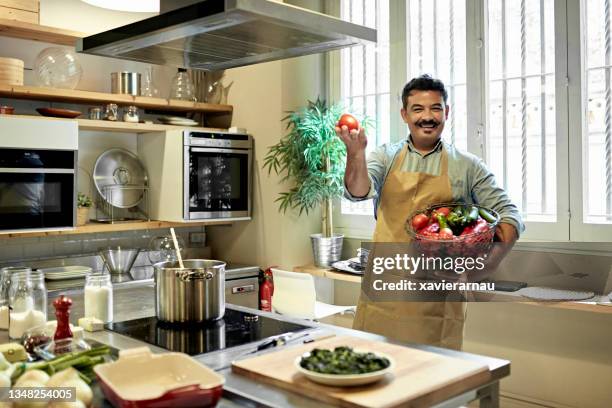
198	175
217	175
38	163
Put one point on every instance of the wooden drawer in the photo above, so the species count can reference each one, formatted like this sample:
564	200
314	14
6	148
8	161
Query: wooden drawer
20	10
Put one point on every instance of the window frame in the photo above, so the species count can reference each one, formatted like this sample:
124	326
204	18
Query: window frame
570	80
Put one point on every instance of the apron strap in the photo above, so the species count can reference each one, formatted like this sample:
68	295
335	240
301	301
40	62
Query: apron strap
399	158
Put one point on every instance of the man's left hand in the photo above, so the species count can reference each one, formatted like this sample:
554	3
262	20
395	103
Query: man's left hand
505	237
506	233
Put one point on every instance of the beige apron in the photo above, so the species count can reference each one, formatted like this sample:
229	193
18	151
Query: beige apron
435	323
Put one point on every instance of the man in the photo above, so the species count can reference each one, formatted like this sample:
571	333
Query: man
411	175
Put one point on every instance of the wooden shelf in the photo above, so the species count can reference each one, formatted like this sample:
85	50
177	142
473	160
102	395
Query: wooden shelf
126	127
89	97
328	273
95	227
120	127
37	32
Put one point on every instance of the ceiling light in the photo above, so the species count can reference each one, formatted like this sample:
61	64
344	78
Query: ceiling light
144	6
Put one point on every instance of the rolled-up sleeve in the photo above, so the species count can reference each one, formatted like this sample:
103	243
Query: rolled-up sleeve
377	168
487	193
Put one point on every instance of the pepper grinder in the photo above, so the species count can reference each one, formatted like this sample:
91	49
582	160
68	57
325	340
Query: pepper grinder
62	313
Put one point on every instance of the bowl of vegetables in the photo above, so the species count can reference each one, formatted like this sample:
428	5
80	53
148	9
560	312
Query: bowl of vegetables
453	229
344	366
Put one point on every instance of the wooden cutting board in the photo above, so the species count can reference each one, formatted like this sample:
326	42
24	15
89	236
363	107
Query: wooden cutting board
420	378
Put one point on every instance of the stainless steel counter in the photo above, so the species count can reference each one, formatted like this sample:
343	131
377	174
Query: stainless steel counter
136	301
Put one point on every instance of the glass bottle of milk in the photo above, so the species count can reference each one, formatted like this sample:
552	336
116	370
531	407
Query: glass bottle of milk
99	296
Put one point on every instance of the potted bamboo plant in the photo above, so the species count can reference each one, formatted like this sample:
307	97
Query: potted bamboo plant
312	157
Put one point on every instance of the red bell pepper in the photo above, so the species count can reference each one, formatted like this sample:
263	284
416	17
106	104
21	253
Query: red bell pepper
467	230
430	230
481	226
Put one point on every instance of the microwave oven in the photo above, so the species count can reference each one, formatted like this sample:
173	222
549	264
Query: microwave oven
38	169
197	175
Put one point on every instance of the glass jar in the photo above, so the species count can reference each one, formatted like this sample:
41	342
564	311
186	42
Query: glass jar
28	301
5	284
99	296
95	113
182	86
111	112
131	114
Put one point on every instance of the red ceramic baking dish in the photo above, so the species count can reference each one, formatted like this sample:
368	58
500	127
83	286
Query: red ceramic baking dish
140	379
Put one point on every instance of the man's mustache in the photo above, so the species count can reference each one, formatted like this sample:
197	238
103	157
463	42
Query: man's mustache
427	122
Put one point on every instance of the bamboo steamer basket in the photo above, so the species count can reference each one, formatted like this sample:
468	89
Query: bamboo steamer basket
11	71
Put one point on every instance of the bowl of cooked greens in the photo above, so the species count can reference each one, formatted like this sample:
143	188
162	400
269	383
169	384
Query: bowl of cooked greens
344	366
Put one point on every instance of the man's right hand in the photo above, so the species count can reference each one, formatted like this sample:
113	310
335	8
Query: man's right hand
355	140
356	175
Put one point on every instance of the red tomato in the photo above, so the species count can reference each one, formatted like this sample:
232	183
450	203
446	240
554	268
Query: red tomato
349	121
442	210
419	221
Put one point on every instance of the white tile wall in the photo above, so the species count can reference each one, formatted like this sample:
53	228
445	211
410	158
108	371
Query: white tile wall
24	249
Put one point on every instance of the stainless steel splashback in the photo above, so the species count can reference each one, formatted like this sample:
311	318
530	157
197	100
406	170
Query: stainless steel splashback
221	34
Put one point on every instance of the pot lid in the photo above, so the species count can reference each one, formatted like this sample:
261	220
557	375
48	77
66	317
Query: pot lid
120	178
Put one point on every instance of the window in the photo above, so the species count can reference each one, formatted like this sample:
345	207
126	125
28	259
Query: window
597	142
365	79
521	148
436	46
530	88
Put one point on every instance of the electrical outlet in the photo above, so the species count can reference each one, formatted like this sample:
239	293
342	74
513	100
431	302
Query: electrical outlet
197	239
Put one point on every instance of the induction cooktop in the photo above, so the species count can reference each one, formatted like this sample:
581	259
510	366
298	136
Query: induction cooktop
234	329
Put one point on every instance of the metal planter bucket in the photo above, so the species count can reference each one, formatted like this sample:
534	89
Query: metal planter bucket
326	250
195	293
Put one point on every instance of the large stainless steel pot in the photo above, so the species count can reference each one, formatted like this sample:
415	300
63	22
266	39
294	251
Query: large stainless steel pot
195	293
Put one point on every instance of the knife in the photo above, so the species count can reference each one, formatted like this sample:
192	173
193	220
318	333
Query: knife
276	341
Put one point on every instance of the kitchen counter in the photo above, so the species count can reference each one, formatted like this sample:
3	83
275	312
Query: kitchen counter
136	301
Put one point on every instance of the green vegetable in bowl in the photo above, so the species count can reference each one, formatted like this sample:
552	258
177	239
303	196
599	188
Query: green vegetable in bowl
343	360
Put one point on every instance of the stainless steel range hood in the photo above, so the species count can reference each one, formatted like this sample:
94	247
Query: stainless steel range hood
221	34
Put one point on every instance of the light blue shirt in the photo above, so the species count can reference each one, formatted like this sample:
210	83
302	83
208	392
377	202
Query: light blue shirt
470	179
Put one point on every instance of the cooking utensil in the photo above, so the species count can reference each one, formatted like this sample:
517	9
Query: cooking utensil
418	374
195	293
117	168
177	249
172	380
58	113
125	83
119	260
271	342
